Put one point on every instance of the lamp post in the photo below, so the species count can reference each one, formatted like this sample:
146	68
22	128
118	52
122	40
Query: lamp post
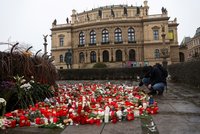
164	51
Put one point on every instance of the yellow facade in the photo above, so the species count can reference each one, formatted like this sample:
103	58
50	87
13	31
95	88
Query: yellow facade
118	36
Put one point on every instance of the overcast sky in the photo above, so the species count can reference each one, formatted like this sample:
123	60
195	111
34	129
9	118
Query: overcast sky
26	21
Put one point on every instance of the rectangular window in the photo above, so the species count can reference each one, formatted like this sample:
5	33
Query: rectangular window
155	35
61	41
171	35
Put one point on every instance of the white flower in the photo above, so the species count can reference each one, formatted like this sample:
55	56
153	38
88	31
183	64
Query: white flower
26	86
4	123
23	80
60	125
2	102
32	81
1	123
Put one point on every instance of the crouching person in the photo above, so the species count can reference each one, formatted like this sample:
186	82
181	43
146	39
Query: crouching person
154	79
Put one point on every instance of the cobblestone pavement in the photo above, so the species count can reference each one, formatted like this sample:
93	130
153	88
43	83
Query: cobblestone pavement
179	113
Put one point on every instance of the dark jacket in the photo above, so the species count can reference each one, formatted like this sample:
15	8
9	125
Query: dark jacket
156	76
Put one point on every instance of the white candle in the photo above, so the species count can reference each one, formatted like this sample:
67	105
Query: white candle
119	114
106	116
136	112
144	104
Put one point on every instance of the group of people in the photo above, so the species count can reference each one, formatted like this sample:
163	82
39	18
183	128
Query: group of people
154	77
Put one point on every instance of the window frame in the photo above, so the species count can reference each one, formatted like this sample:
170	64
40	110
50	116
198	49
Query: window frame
81	39
105	36
118	35
156	53
155	34
131	35
92	37
93	57
81	57
61	57
117	56
61	41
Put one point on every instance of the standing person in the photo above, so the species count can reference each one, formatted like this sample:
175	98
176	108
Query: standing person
154	78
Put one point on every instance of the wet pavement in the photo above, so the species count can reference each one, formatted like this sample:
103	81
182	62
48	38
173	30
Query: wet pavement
179	113
179	110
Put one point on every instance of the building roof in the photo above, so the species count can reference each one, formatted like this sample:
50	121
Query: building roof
197	32
185	41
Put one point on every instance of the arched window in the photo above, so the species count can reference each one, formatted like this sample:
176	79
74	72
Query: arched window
81	38
118	35
92	37
118	55
81	57
131	35
105	56
132	55
105	36
93	56
157	53
61	58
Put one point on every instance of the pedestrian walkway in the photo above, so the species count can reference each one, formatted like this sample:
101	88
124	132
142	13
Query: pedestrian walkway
179	110
179	113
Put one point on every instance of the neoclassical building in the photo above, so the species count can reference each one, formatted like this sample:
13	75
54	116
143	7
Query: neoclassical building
117	35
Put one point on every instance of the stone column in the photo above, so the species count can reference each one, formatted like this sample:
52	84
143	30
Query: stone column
164	51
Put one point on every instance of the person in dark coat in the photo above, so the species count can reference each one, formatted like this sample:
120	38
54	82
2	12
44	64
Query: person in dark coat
154	79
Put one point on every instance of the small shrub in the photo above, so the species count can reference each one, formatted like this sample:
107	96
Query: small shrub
100	65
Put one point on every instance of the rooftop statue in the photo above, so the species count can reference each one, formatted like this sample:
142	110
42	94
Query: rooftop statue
45	38
54	22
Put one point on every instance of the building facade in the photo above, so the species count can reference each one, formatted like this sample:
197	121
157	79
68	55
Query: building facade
117	35
193	46
183	49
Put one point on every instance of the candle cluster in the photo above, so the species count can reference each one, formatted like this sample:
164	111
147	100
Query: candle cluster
86	103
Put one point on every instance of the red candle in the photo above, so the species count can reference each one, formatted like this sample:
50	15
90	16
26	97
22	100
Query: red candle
91	121
37	120
130	116
54	113
13	123
28	123
55	119
49	114
22	123
8	114
155	110
33	108
36	105
141	110
64	113
98	122
148	110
